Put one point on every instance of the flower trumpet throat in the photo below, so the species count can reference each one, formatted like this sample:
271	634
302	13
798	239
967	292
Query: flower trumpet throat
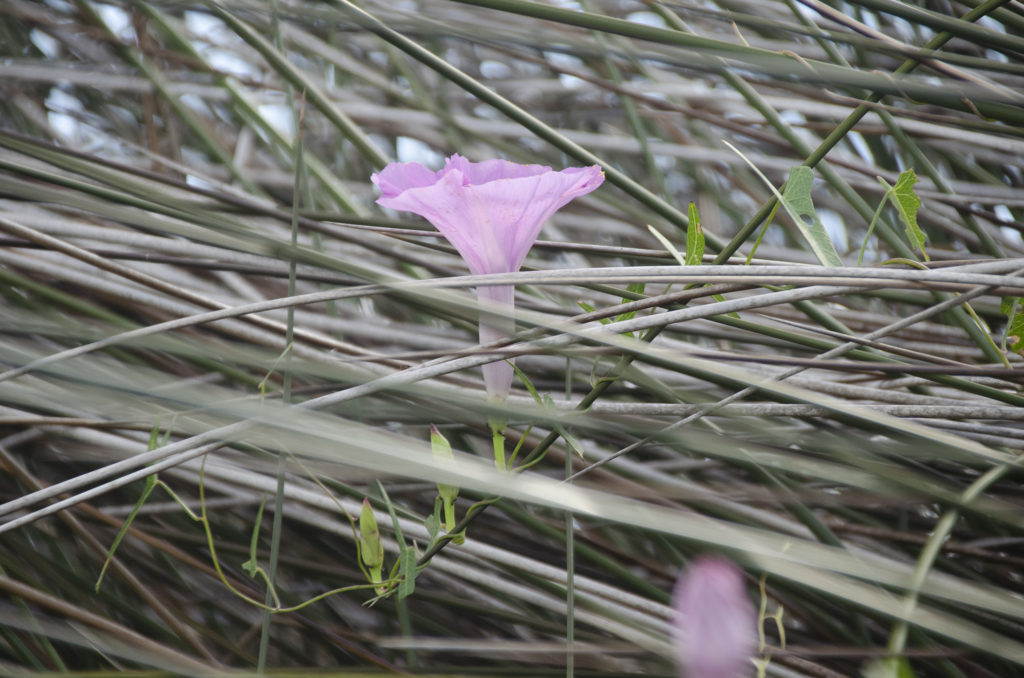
492	213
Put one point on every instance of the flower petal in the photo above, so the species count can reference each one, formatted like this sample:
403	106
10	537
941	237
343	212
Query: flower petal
445	204
491	170
401	176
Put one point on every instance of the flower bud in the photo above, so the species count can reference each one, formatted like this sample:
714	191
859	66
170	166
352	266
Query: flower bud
715	629
442	450
370	548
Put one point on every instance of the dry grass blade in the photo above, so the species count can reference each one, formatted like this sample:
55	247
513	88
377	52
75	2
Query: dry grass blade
201	305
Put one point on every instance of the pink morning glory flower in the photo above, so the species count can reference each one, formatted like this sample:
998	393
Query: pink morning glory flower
715	629
492	213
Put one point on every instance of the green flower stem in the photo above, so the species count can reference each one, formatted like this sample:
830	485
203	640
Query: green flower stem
497	425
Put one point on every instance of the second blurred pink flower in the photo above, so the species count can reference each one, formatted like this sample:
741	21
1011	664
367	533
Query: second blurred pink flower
716	625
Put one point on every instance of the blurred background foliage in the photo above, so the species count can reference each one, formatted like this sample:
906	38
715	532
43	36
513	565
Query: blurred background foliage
198	288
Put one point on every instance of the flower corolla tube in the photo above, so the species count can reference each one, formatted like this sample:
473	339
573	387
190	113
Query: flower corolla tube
715	629
491	212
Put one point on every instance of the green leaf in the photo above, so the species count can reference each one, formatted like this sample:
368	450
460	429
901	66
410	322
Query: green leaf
694	239
407	556
1015	331
907	204
570	439
547	403
150	484
1008	305
528	384
635	288
796	199
719	297
589	308
407	573
676	254
433	521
